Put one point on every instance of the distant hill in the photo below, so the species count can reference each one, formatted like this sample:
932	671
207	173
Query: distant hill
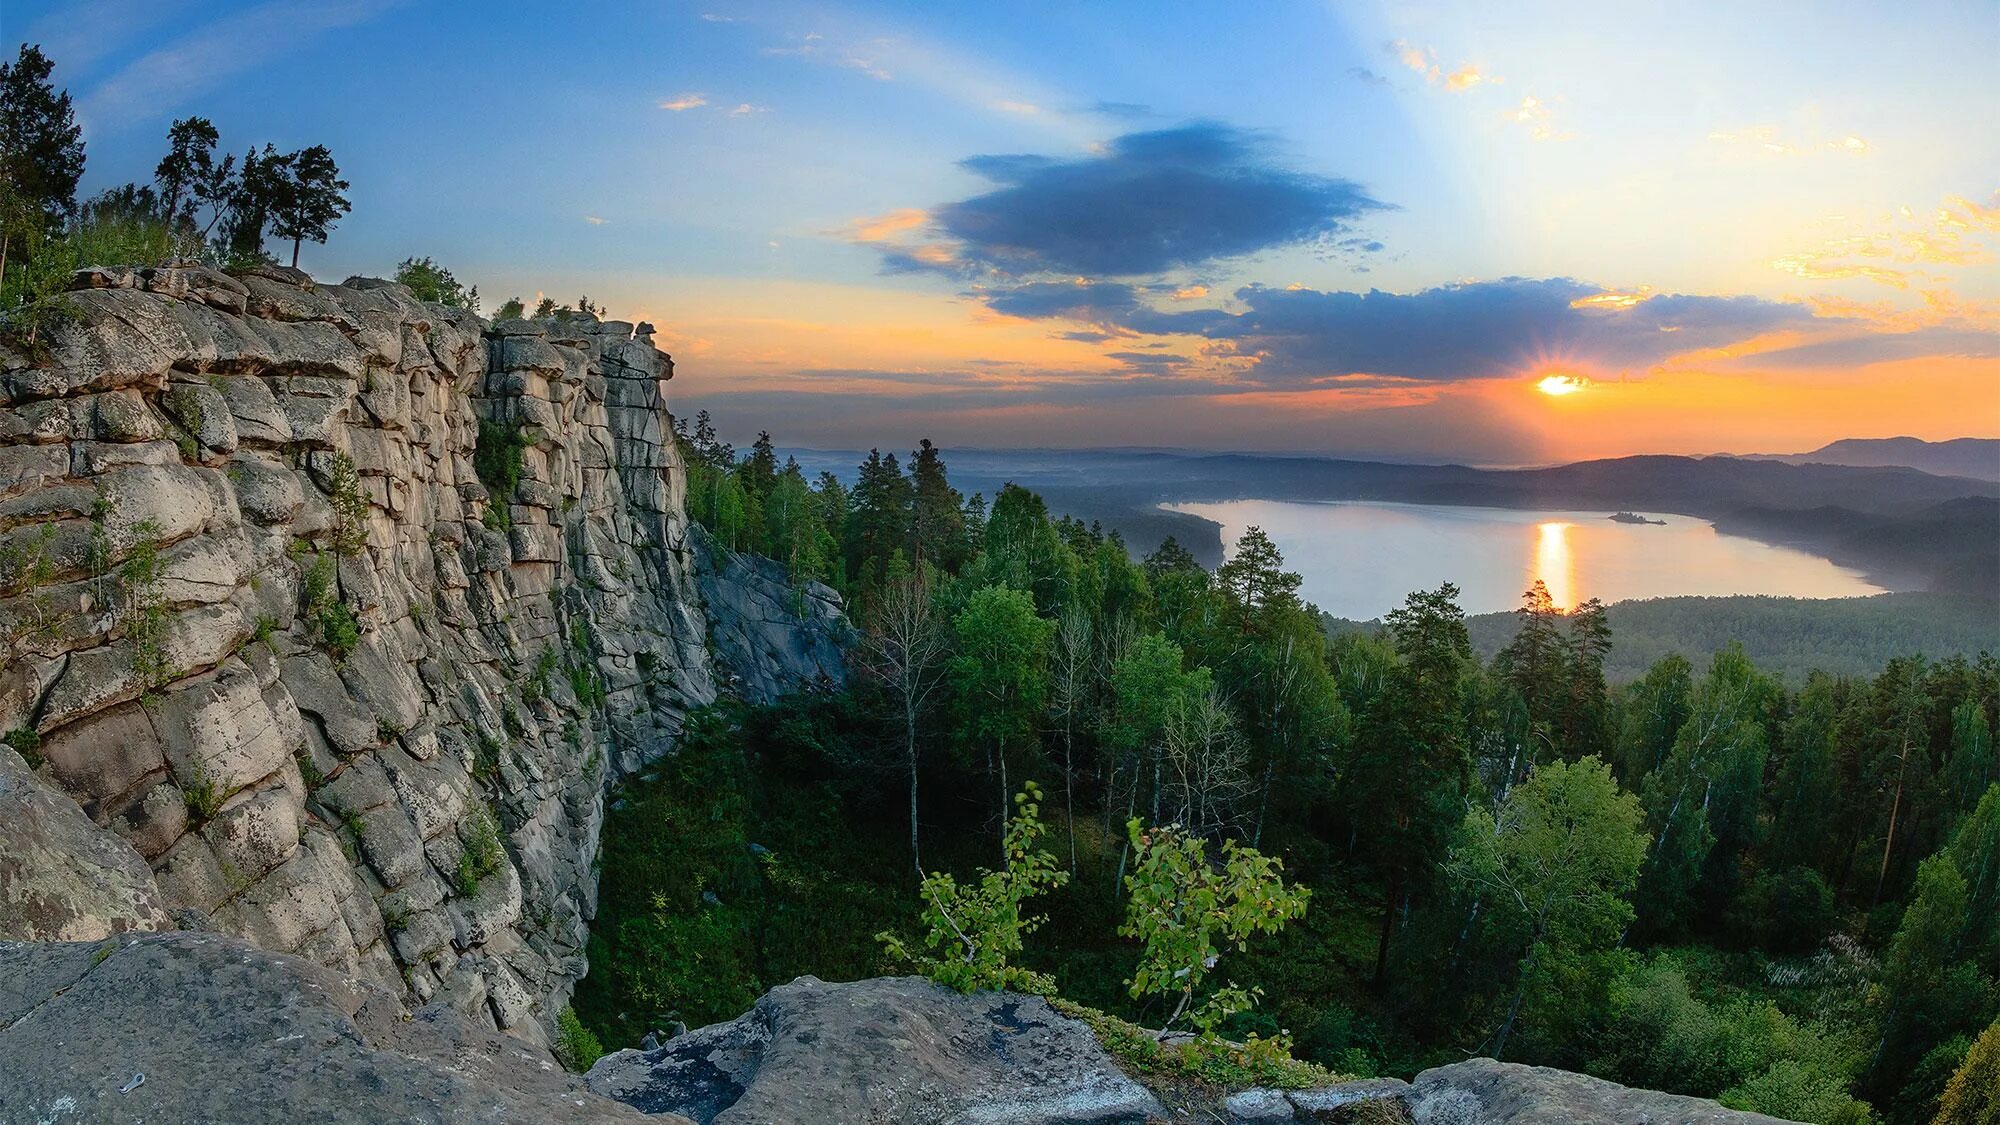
1788	636
1978	458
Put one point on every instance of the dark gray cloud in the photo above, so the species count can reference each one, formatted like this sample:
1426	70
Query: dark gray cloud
1470	331
1151	202
1482	329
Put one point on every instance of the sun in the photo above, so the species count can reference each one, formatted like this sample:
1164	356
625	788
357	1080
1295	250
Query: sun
1560	385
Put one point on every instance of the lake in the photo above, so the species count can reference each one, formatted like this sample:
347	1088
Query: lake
1359	558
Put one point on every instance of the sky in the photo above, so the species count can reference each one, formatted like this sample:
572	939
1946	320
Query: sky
1355	229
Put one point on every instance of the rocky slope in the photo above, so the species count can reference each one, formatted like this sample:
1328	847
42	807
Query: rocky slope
308	677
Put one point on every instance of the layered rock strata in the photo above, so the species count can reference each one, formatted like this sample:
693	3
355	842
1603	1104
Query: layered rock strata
338	612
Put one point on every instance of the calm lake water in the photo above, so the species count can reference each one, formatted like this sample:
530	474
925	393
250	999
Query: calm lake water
1360	558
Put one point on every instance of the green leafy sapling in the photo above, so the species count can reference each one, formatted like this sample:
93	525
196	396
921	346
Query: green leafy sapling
1186	910
973	930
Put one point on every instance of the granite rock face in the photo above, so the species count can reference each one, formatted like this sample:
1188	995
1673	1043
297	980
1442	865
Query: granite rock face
340	612
202	1027
892	1049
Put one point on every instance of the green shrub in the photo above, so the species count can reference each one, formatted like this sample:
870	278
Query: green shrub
428	281
499	458
329	623
27	742
576	1047
482	854
201	795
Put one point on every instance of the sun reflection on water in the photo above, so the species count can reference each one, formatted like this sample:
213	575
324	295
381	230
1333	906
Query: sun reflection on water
1555	564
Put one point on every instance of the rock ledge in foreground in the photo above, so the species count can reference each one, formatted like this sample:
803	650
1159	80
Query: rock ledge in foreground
891	1049
203	1027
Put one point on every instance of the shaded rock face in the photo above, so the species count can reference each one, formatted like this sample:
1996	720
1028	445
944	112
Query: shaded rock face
263	622
768	636
1485	1092
896	1049
202	1027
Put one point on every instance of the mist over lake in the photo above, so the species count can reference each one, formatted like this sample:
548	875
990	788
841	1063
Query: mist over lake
1359	559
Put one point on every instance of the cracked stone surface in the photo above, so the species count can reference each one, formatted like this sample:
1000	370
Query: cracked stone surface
203	1027
268	632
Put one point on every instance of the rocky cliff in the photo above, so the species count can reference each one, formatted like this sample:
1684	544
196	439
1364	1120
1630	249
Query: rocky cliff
335	614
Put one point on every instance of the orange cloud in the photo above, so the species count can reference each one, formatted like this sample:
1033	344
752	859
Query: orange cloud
683	102
1424	62
884	228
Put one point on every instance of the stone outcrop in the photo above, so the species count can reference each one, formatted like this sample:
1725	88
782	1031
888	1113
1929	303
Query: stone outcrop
1485	1092
895	1049
768	635
61	878
202	1027
337	613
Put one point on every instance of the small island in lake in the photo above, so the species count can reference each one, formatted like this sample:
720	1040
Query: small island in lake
1634	517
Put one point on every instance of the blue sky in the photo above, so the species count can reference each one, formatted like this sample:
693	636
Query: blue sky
1355	228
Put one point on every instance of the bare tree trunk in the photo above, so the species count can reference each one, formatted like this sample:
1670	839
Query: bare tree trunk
910	745
1895	807
1388	927
1514	1007
1001	753
295	252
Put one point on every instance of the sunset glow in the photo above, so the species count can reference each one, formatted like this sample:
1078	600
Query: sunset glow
845	220
1555	565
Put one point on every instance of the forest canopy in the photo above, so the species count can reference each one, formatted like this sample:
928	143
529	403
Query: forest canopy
1706	880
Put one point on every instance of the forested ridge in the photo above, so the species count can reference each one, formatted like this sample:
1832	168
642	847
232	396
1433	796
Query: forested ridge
1703	881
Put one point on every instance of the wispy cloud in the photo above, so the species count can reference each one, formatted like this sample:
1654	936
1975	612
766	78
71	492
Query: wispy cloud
1770	140
745	109
683	102
1423	61
152	86
596	220
1533	114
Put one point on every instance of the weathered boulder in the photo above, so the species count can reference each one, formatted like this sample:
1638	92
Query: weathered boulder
1485	1092
892	1049
63	878
203	1027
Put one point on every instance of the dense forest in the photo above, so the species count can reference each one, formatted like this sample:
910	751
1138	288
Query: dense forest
1790	638
1702	881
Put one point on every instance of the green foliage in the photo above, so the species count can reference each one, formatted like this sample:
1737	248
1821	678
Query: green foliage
350	505
973	931
428	281
27	742
329	623
498	457
1661	1035
1186	911
482	853
141	580
512	309
201	794
1206	1060
576	1046
1557	861
1973	1096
